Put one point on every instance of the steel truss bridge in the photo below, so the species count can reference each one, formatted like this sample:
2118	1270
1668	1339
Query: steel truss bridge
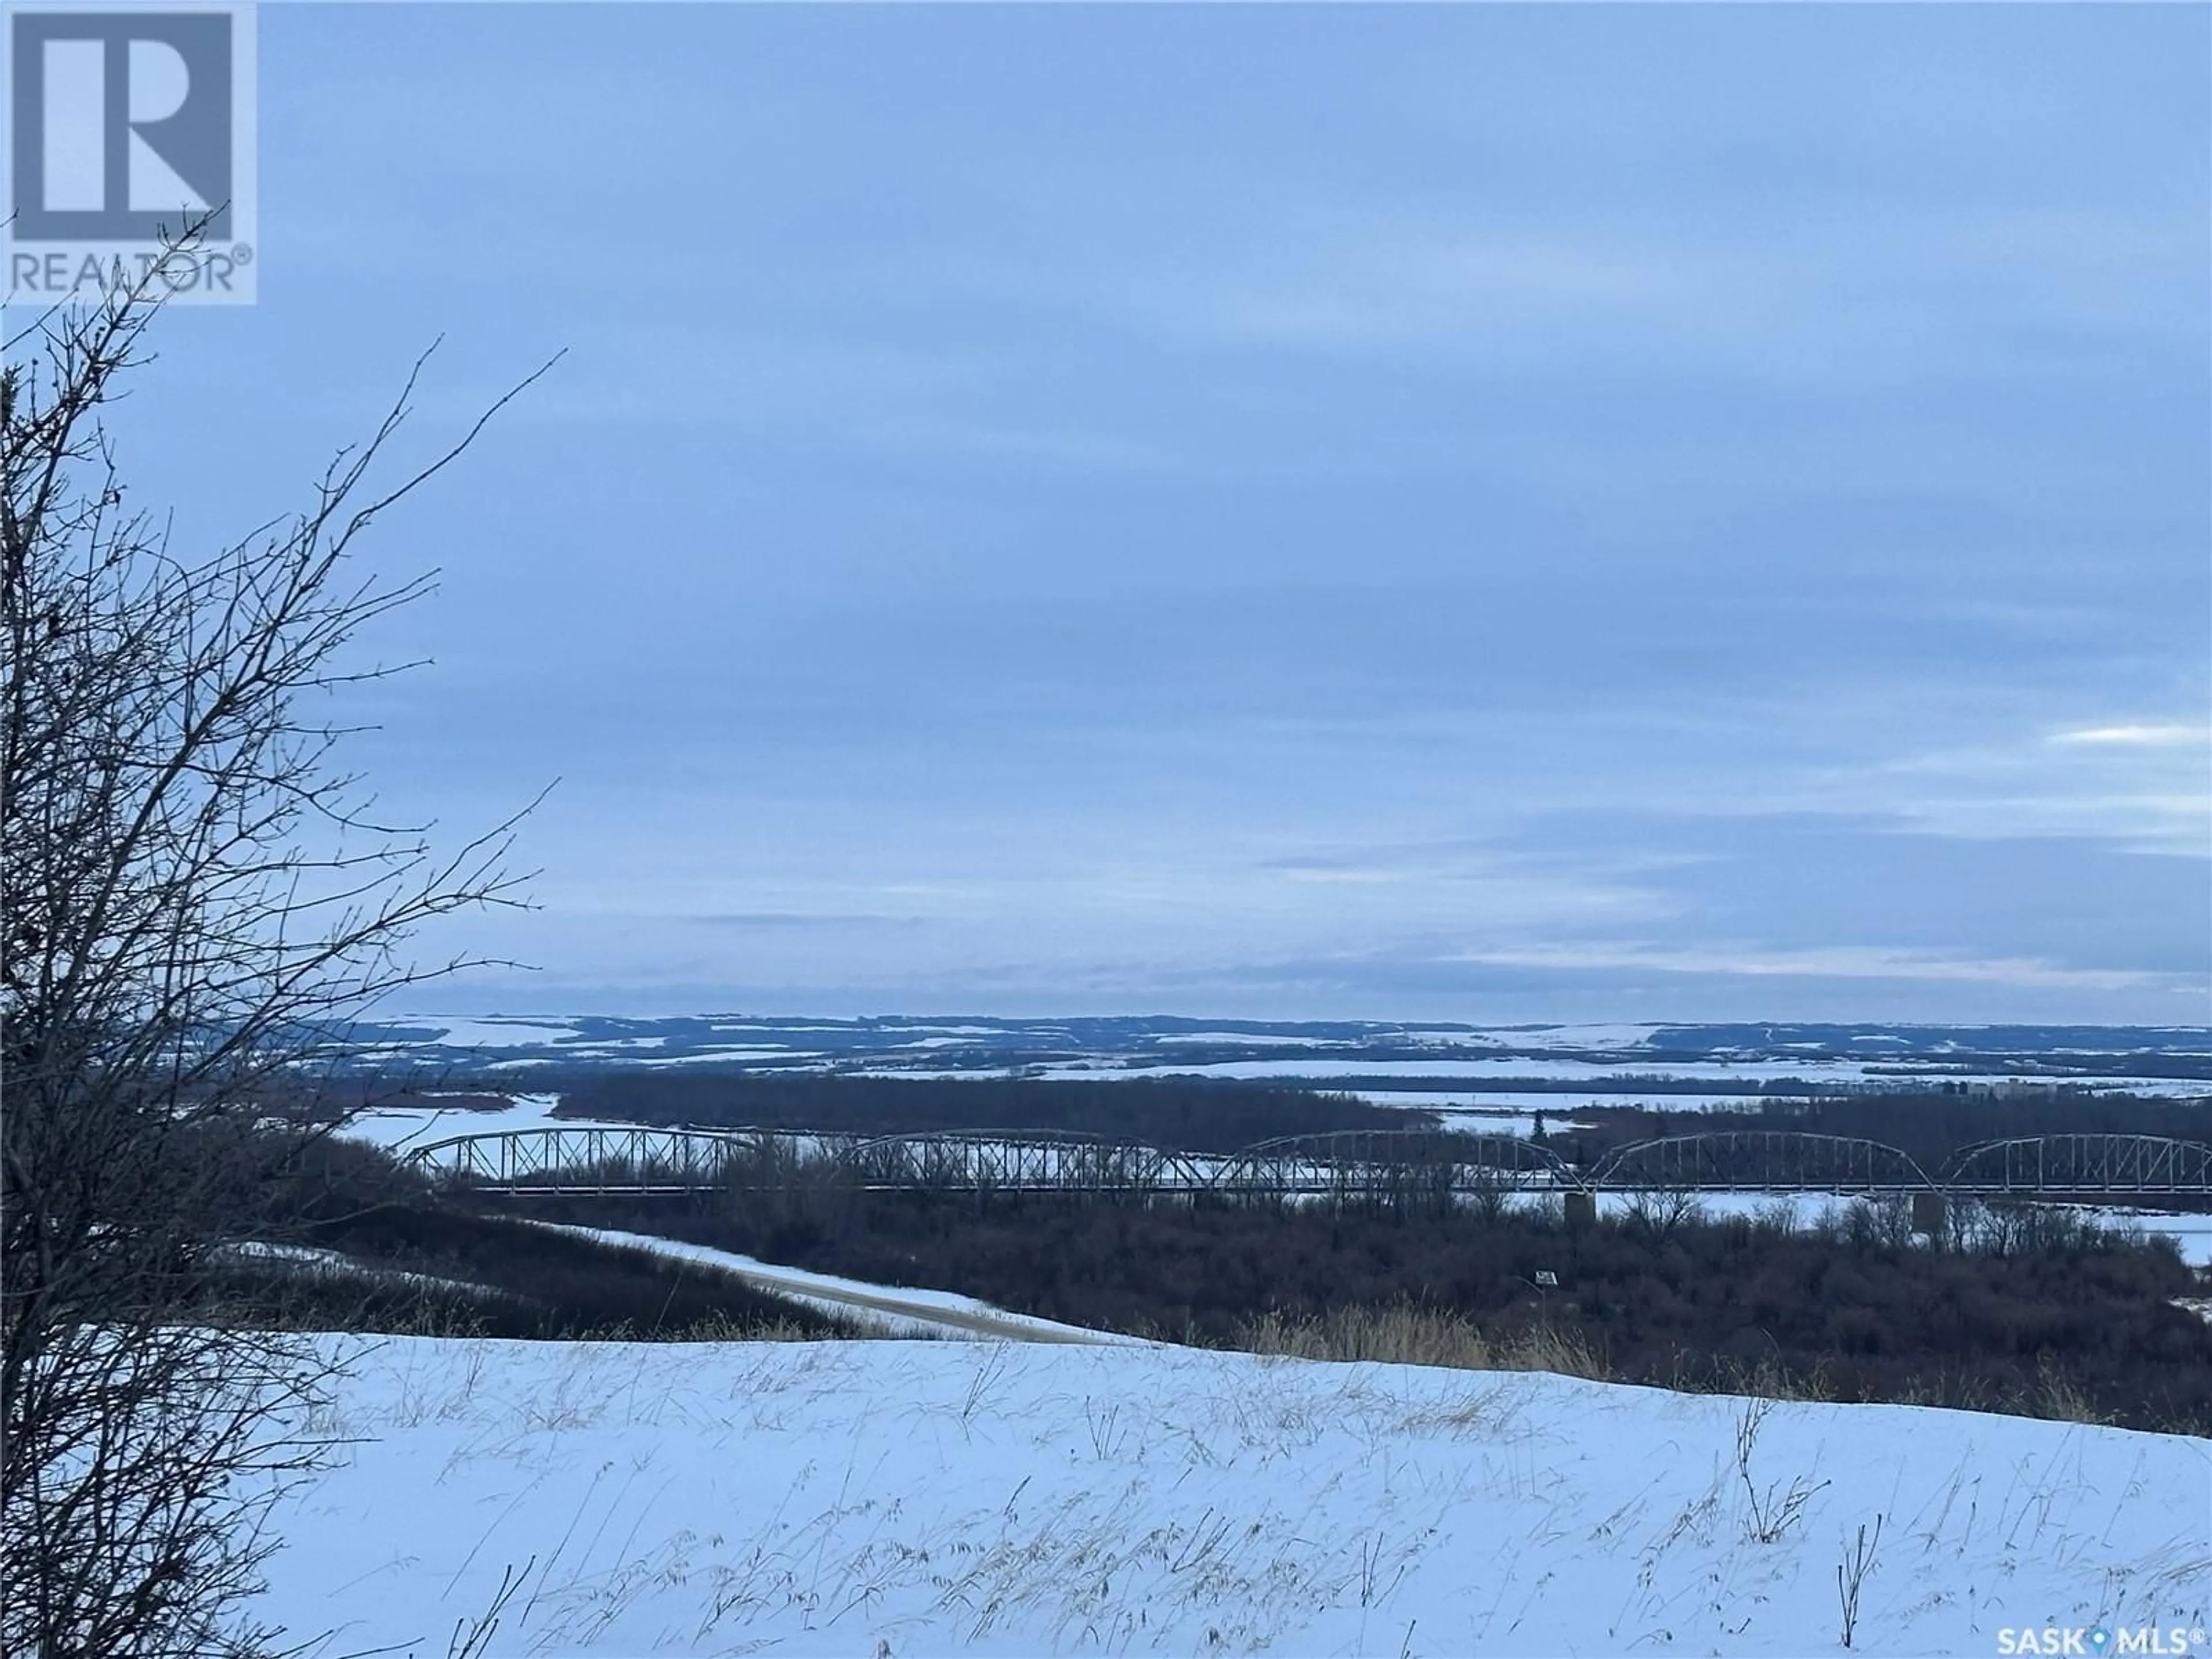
1347	1166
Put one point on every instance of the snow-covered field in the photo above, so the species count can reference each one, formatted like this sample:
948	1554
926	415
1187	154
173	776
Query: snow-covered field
903	1498
405	1128
1618	1055
1472	1068
1623	1078
1488	1121
1549	1101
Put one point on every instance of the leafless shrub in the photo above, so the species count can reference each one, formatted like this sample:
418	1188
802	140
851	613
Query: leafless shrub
1487	1195
1850	1576
1777	1217
1772	1509
1659	1212
1107	1432
193	892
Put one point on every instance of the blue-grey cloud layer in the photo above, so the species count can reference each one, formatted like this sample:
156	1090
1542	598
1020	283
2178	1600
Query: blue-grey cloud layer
1296	511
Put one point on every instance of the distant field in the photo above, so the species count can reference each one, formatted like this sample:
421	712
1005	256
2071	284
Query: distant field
1724	1057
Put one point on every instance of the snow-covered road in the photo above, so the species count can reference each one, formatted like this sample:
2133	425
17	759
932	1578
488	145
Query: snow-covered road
893	1310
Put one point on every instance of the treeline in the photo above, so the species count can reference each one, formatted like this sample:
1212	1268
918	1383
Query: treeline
1933	1127
435	1270
1177	1115
1854	1312
333	1235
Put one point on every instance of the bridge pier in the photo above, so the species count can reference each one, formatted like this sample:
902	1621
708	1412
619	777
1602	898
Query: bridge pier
1929	1213
1580	1207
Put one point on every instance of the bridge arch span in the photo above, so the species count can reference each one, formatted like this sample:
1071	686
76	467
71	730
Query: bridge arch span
2066	1164
595	1158
1377	1163
1762	1160
1017	1160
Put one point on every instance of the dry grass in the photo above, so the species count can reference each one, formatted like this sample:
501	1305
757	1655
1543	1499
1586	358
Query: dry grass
2054	1396
1402	1334
1766	1379
720	1328
1405	1334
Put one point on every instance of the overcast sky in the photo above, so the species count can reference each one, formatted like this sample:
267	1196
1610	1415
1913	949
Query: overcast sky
1500	513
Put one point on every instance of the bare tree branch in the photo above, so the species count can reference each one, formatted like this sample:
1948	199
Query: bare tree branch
195	899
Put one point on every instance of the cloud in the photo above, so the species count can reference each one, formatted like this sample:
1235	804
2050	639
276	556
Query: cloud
1699	508
1827	962
780	919
1408	289
2146	736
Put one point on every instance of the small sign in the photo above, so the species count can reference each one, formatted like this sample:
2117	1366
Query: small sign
128	124
1547	1279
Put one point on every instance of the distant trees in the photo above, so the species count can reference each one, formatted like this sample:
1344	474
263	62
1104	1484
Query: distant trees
193	890
1179	1115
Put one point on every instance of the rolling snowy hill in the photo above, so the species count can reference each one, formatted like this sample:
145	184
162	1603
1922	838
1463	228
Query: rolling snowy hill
898	1498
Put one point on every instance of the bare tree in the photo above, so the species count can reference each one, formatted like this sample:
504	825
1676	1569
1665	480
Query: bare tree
1659	1212
195	896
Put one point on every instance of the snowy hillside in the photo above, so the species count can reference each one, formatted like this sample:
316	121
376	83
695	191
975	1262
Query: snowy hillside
896	1498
